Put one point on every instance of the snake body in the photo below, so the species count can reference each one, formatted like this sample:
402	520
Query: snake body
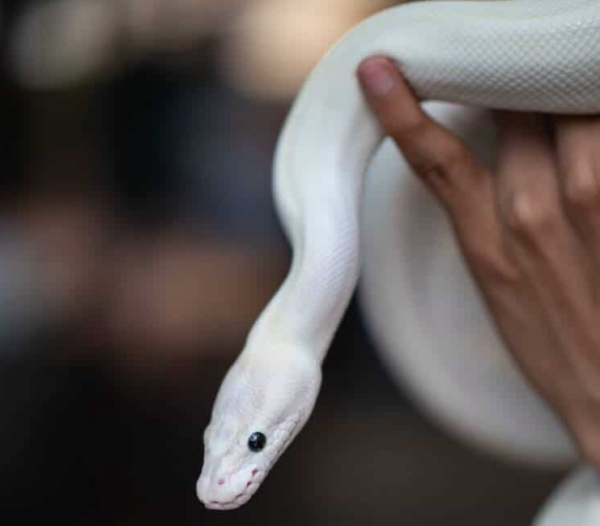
530	55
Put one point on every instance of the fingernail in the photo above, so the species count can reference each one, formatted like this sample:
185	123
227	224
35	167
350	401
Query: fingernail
377	79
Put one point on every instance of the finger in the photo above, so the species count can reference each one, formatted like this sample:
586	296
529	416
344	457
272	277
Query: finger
577	145
444	163
525	167
542	239
468	193
438	157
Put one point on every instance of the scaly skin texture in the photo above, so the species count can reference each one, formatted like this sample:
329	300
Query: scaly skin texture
534	55
255	397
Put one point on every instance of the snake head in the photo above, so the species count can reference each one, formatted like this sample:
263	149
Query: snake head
263	402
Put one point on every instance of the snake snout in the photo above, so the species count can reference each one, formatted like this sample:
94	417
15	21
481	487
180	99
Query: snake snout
225	492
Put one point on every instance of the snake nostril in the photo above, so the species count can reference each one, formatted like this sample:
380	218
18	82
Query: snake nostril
221	481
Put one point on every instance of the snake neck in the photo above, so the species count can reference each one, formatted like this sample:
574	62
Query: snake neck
319	207
308	307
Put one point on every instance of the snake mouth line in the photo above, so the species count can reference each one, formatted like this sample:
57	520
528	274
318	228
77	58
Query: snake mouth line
241	498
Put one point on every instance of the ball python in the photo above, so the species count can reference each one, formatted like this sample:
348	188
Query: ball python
521	55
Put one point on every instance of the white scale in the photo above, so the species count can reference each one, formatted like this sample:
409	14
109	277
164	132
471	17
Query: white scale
435	337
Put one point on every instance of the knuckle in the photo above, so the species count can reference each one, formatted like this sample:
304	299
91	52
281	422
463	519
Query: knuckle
430	171
490	267
447	163
582	189
455	156
411	125
531	216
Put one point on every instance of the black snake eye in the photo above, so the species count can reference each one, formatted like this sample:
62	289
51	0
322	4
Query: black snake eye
257	442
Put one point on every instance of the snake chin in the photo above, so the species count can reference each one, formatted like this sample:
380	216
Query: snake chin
223	502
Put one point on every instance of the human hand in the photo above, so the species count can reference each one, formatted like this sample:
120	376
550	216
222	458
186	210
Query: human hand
529	232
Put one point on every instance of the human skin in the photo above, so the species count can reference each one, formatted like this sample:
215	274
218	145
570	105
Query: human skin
529	230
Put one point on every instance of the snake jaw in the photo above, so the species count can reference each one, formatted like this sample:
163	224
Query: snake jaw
253	399
219	491
232	493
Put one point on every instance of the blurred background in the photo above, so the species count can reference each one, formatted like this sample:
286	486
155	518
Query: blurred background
137	244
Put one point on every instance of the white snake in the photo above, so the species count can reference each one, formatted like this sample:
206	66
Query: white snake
530	55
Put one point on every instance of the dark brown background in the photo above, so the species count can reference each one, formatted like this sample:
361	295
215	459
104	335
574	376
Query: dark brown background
147	191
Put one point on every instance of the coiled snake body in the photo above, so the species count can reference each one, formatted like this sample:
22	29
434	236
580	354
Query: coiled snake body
530	55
